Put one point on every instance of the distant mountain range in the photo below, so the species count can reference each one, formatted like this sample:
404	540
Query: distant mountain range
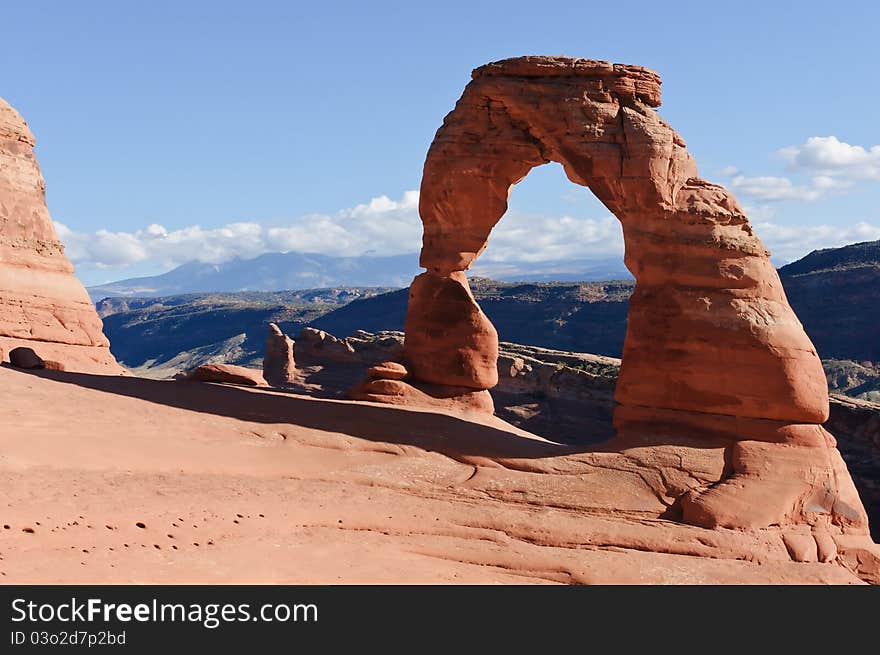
835	292
157	336
163	335
268	272
296	271
864	255
585	317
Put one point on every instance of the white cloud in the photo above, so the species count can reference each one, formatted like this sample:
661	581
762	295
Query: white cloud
790	242
384	205
524	237
829	156
771	188
105	249
385	226
382	226
761	212
826	163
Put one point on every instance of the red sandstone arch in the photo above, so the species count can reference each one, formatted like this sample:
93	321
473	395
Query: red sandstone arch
710	329
713	350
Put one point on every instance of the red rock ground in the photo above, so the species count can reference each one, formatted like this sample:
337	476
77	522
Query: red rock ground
243	485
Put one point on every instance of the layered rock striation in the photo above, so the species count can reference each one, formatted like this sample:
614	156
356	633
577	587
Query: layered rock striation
42	305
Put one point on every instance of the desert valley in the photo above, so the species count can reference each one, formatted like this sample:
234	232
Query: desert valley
674	428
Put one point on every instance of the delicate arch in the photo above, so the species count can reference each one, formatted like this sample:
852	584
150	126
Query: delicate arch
714	356
710	329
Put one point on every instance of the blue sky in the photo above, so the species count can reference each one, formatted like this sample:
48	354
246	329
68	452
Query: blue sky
177	130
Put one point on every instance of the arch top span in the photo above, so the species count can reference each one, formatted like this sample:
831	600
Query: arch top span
623	80
594	118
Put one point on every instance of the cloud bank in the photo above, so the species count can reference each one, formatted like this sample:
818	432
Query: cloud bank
770	188
384	226
380	227
829	165
829	156
790	242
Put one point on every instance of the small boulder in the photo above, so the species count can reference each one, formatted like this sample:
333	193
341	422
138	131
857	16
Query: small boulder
279	365
23	357
224	373
387	371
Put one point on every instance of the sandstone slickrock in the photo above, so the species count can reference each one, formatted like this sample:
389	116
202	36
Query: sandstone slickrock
225	373
42	305
253	486
713	354
279	365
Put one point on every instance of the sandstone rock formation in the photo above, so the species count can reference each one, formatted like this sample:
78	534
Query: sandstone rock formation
360	348
318	345
42	305
713	353
224	373
279	365
393	390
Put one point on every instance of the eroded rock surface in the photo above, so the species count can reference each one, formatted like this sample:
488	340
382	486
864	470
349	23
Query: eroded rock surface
279	365
42	305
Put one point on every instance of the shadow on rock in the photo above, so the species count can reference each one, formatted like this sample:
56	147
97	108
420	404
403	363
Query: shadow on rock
427	430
